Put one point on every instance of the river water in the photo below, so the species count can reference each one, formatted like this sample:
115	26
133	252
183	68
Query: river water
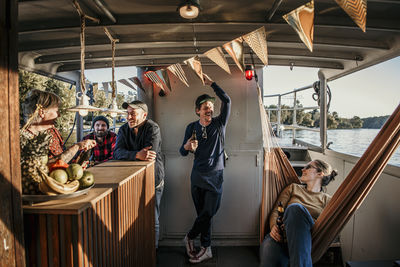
349	141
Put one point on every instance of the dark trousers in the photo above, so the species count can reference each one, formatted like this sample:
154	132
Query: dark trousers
159	193
298	223
207	203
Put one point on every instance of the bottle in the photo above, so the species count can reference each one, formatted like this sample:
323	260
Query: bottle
279	220
194	135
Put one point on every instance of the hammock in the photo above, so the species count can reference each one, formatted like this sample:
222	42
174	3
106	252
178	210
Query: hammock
278	173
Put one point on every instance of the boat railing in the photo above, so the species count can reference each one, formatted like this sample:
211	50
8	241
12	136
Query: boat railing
277	125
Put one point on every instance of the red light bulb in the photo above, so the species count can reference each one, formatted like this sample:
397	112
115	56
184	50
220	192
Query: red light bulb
249	72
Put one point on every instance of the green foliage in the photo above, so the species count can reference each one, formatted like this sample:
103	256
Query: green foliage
356	122
29	81
374	122
312	118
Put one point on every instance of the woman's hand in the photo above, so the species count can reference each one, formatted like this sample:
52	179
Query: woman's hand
86	144
275	234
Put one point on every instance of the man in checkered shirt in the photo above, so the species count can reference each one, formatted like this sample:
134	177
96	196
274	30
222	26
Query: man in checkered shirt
105	139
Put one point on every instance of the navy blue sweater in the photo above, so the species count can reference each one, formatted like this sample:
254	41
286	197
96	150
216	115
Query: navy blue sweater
209	155
128	144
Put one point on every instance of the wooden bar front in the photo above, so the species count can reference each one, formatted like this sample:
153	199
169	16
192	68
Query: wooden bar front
113	225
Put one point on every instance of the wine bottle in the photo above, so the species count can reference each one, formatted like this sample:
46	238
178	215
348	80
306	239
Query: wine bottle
279	220
194	135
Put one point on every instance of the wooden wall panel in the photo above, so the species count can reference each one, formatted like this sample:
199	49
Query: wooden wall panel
11	225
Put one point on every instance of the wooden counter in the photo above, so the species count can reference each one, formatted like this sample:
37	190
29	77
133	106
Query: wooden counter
113	225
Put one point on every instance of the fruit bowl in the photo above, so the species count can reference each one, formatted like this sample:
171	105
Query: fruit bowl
30	199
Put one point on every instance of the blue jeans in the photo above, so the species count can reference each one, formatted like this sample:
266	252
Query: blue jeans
159	192
207	203
298	223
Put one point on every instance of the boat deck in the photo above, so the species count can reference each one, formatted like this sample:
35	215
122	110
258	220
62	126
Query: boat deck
239	256
222	257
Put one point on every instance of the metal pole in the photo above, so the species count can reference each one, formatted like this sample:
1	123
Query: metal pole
294	117
79	120
323	110
278	125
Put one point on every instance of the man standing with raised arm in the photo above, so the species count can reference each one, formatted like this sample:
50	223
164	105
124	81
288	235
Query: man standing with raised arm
205	138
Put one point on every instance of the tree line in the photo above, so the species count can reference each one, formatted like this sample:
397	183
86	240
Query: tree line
312	118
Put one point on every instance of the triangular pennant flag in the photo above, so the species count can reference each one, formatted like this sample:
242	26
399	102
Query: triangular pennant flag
217	55
105	86
136	81
177	70
235	50
155	79
257	40
302	20
95	87
357	10
126	83
163	75
195	64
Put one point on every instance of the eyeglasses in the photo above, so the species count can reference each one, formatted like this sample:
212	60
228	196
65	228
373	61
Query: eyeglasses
204	132
309	166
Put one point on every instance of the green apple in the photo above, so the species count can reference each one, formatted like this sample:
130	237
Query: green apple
59	175
75	171
86	180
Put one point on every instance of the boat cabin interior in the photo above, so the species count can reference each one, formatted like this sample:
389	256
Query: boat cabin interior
44	37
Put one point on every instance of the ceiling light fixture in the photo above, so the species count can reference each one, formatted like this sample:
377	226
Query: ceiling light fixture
189	9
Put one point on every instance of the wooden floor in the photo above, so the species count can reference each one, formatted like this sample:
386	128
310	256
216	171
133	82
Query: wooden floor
222	257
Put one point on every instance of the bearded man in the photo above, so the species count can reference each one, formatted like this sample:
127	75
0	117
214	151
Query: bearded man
205	139
140	139
105	139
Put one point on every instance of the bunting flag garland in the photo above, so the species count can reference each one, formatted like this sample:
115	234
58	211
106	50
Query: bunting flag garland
177	70
357	10
163	75
235	50
195	64
257	40
126	83
217	56
136	81
105	86
302	20
155	79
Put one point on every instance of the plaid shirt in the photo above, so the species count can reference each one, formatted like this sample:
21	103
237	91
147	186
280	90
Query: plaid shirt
103	151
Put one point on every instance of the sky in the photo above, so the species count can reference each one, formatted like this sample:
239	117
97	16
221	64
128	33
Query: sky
105	75
374	91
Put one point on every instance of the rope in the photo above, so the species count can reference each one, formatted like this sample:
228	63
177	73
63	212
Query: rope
315	95
113	41
83	18
83	27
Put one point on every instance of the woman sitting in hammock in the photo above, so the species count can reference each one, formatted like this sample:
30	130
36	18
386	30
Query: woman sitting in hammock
303	204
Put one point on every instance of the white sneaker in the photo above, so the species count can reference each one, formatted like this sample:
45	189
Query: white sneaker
189	245
204	254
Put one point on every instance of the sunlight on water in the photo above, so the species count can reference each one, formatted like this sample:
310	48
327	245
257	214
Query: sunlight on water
349	141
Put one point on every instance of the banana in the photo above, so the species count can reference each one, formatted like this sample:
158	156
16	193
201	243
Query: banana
58	187
44	188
